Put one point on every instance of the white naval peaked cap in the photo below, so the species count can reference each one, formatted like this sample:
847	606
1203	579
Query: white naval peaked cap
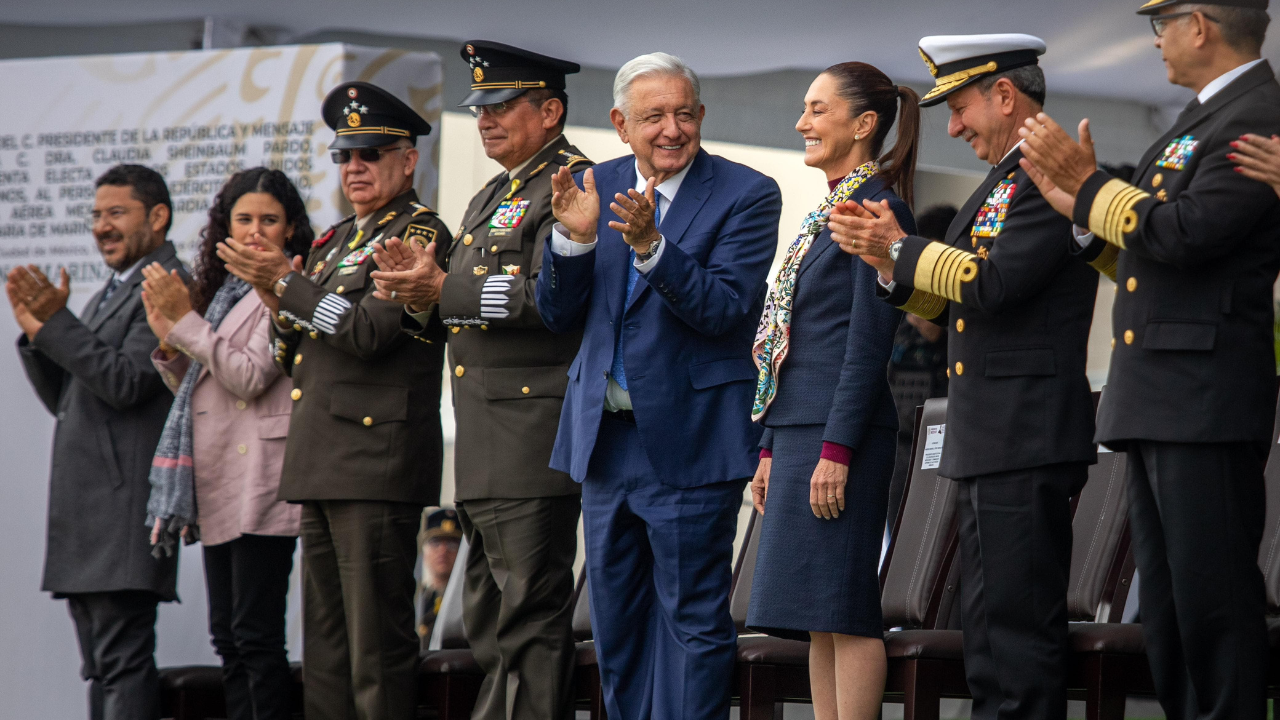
957	60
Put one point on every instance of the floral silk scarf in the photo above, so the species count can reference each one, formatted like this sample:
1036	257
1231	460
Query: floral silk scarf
773	337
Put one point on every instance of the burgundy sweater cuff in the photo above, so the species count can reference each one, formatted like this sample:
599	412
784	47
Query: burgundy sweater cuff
766	453
837	453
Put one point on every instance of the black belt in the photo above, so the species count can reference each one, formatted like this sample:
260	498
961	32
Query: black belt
626	416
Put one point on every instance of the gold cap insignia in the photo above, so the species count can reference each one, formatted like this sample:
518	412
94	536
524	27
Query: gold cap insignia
478	74
447	526
928	61
353	120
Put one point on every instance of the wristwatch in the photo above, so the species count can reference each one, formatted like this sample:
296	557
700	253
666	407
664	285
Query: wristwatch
278	288
645	257
895	249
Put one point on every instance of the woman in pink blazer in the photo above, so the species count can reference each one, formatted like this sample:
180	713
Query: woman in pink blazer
217	470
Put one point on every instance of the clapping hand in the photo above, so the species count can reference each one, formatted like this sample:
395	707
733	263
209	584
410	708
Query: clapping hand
578	210
407	273
636	211
166	300
30	326
1258	158
866	230
41	298
257	264
1057	164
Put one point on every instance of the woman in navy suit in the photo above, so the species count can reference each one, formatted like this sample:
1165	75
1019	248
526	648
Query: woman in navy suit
828	449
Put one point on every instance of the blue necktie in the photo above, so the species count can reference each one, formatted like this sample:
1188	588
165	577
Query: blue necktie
112	285
619	371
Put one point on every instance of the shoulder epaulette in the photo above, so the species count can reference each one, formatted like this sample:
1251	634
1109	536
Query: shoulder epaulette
420	209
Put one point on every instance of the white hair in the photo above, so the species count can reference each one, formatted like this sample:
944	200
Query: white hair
657	63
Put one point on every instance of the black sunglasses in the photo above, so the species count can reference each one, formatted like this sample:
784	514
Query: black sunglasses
1160	22
369	155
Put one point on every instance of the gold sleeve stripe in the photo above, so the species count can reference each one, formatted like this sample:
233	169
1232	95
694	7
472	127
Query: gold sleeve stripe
925	305
942	270
1105	263
1112	215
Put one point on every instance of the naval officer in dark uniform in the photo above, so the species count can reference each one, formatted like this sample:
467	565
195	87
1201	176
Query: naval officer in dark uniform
509	377
363	454
1194	247
1019	432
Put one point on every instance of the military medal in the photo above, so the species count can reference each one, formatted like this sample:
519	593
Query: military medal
510	269
990	220
1178	153
356	258
509	213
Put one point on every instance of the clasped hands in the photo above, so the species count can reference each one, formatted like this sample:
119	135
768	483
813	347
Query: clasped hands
166	299
408	274
866	230
578	210
260	264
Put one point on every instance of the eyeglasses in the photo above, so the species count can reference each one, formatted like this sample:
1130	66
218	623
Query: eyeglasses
496	109
1160	22
369	155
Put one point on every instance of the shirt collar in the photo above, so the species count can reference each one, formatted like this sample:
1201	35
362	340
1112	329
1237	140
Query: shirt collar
128	272
669	187
1223	80
1006	155
516	170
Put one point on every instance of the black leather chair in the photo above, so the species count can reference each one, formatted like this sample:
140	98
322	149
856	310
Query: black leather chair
192	692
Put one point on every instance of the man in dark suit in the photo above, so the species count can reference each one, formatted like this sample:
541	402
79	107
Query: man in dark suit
1019	432
1195	248
94	373
664	272
519	515
364	450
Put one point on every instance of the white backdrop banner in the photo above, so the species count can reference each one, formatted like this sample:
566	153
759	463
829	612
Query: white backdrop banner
196	117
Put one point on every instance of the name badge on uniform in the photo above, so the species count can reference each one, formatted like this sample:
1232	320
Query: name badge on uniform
1178	153
990	219
509	213
421	234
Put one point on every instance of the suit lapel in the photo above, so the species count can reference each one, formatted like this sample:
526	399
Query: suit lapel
1255	76
161	255
692	195
964	220
615	253
823	243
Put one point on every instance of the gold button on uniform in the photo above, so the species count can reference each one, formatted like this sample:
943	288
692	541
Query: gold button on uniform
458	371
948	372
1155	181
296	394
297	359
297	327
468	239
340	289
367	421
959	368
493	249
525	390
1131	284
313	334
457	329
484	327
240	405
1113	343
1128	337
242	449
960	325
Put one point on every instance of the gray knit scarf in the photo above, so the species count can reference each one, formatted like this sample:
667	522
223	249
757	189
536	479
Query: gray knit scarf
173	480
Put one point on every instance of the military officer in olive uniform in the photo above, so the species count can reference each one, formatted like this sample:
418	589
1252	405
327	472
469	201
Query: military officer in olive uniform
1195	249
1019	433
509	379
440	538
363	454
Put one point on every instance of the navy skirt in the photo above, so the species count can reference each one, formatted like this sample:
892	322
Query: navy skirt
816	575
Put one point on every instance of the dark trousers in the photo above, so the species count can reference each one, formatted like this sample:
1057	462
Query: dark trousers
1015	559
247	580
659	566
360	649
1197	513
518	603
117	634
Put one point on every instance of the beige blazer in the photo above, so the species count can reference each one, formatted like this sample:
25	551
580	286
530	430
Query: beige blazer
240	417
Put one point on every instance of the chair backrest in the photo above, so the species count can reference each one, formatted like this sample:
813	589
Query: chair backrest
1099	540
1269	552
744	572
920	554
582	610
449	632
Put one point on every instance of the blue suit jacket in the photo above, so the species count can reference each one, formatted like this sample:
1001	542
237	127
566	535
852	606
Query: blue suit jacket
688	326
841	339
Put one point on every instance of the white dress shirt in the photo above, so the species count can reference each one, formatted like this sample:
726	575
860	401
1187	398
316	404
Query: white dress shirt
615	398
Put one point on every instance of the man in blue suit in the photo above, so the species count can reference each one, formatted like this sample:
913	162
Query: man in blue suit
667	284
